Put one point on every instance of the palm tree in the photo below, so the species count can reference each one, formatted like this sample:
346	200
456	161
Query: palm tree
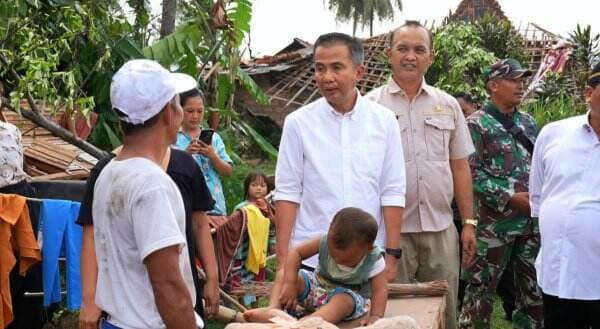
363	11
587	47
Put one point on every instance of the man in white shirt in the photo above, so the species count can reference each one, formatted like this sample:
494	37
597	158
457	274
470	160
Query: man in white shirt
341	150
565	194
144	274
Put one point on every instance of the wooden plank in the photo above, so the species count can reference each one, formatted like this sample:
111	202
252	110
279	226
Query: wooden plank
77	175
40	155
43	155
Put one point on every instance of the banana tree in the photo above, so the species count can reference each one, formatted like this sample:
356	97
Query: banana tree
207	46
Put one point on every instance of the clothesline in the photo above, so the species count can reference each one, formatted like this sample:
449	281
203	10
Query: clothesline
27	198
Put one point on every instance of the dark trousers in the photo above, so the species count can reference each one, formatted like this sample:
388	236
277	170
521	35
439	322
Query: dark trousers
562	313
28	312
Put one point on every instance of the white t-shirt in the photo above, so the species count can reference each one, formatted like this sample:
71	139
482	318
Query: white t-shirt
137	210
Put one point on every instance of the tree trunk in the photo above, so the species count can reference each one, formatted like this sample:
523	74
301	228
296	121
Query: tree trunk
169	9
57	130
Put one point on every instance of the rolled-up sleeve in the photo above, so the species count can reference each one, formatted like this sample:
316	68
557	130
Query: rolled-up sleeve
393	175
290	163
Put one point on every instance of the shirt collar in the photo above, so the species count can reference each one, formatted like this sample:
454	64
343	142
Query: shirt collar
352	114
491	105
585	123
394	88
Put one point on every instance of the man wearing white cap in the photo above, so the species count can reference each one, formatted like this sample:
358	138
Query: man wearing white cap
144	274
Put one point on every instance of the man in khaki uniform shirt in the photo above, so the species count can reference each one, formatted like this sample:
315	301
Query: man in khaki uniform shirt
436	144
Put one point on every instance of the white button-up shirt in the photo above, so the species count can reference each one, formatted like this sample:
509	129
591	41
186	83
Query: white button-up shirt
565	194
328	161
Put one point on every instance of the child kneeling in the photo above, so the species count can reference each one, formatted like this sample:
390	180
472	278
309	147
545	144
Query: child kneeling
350	271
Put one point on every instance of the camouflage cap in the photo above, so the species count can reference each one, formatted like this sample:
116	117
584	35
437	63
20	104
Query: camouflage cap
506	69
594	78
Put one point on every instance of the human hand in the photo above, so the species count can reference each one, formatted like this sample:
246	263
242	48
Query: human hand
211	297
193	147
391	268
468	239
288	296
89	315
206	149
520	202
369	320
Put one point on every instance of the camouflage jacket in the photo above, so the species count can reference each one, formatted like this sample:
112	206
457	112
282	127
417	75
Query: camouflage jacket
500	168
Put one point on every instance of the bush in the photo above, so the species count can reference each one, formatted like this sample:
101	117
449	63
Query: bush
459	61
554	109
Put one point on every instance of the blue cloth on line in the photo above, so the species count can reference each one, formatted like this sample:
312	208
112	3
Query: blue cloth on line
61	236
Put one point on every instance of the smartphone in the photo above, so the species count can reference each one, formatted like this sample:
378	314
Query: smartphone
206	136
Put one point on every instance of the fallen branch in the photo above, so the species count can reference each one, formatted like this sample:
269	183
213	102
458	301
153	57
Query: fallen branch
35	115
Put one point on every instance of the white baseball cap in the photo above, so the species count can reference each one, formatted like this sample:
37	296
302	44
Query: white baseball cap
141	88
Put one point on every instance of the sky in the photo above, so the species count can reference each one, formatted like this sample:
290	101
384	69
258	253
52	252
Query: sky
276	22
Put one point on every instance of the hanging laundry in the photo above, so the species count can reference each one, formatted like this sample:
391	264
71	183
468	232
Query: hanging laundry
60	236
258	235
16	237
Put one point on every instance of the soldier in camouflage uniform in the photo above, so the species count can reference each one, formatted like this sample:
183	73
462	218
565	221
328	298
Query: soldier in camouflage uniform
506	232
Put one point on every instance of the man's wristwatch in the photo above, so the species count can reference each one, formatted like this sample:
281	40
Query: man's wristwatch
470	221
396	252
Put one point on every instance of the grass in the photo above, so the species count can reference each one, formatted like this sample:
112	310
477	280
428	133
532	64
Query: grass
498	321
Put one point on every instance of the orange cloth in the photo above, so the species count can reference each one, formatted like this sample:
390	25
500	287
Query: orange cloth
16	237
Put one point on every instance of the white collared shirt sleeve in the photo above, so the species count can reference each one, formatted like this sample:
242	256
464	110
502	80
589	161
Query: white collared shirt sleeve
536	175
290	163
393	175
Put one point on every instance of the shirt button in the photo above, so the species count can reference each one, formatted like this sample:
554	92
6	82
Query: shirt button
414	131
421	202
420	177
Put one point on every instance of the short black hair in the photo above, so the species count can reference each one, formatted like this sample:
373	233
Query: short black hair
415	24
128	128
254	175
194	92
464	96
355	48
352	225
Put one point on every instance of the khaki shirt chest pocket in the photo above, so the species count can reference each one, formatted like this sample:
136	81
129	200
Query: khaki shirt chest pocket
437	136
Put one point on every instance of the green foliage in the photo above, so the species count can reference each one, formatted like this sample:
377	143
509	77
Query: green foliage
63	53
66	51
587	47
554	86
459	61
554	109
499	37
240	14
259	139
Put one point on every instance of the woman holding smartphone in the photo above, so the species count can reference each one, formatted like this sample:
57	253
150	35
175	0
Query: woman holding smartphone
205	145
